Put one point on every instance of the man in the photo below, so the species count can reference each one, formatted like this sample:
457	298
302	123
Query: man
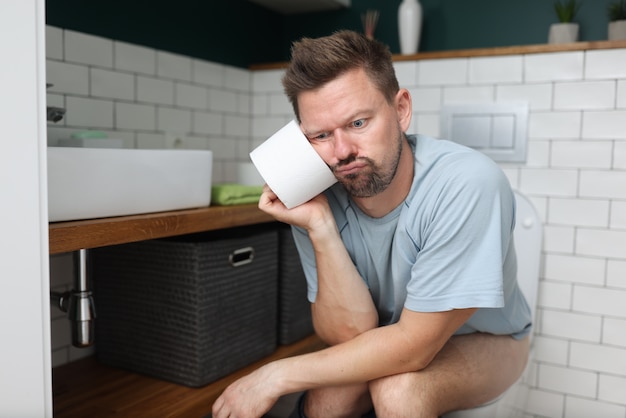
409	258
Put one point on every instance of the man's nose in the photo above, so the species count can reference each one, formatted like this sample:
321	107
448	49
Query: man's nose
344	146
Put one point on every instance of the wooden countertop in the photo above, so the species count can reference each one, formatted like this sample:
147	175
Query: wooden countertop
92	233
484	52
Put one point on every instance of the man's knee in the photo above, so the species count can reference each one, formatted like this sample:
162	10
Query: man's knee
344	401
400	394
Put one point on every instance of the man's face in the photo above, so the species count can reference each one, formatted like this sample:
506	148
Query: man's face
355	131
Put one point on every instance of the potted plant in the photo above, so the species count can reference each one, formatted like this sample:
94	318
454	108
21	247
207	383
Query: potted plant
566	30
617	20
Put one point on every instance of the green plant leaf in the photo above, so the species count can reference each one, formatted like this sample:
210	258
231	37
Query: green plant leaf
566	10
617	10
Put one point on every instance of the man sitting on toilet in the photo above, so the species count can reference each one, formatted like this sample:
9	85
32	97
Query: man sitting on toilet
409	258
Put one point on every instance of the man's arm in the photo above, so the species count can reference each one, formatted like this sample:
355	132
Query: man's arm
409	345
343	306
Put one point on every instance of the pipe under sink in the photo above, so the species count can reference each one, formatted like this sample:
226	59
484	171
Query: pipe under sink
79	303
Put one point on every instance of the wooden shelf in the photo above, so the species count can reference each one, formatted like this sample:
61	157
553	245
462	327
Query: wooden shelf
92	233
87	388
482	52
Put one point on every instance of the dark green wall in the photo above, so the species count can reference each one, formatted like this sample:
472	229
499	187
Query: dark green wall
226	31
240	33
458	24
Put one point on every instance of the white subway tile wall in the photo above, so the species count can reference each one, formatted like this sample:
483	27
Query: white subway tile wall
148	97
88	49
491	70
553	67
605	64
575	173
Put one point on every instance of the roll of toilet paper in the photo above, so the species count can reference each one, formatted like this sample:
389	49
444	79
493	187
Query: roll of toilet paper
291	167
248	175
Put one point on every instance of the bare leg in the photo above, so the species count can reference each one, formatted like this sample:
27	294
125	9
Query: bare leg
337	402
469	371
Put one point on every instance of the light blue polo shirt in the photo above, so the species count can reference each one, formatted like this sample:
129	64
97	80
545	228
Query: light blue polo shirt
449	245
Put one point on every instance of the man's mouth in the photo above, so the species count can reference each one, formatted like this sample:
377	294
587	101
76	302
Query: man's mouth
350	168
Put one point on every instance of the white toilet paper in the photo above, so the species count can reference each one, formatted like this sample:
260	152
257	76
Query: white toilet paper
291	167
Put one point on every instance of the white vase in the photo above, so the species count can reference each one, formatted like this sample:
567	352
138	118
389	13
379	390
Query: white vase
617	30
563	33
409	26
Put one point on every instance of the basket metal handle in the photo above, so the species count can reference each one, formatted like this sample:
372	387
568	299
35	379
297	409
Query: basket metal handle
241	256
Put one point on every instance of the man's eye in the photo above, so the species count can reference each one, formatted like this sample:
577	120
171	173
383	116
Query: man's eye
359	123
321	137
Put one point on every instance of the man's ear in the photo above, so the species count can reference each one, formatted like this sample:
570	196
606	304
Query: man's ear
404	108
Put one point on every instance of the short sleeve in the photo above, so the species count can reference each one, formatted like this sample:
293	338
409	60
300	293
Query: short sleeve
463	239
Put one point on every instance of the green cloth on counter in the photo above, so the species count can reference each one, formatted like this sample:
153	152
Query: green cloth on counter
89	135
235	194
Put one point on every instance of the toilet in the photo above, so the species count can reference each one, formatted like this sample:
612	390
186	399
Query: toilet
527	236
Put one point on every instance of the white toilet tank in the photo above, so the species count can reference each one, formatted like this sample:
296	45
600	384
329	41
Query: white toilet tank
528	236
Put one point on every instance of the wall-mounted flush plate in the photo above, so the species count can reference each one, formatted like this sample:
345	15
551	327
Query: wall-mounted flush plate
496	129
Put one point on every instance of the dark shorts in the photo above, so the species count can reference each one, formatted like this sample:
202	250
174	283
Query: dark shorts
298	411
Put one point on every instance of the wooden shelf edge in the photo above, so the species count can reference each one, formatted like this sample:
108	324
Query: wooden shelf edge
92	233
89	388
480	52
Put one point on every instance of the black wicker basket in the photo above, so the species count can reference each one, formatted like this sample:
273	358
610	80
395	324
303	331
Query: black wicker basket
190	309
294	309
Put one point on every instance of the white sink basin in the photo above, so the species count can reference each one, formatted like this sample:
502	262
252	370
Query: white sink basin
86	183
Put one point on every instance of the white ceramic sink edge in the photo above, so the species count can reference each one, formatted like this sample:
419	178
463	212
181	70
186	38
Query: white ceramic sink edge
85	183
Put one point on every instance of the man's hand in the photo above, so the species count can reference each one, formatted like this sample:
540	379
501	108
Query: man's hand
310	215
249	397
